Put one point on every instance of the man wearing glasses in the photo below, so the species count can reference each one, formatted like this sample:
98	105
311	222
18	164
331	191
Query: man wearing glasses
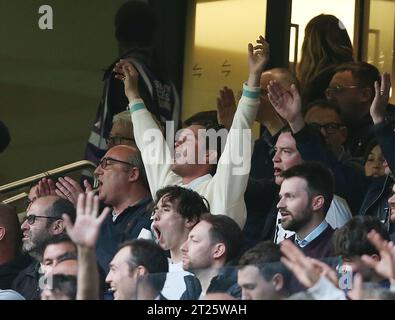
365	195
326	117
43	224
123	186
352	87
121	131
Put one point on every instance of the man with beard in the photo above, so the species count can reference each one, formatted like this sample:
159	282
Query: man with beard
211	246
305	196
264	220
43	223
368	195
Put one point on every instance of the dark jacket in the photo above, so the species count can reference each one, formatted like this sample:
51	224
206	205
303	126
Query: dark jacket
261	198
350	183
224	282
375	202
127	226
261	160
9	270
27	282
359	136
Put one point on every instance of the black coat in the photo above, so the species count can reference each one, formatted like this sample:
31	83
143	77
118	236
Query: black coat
27	282
224	282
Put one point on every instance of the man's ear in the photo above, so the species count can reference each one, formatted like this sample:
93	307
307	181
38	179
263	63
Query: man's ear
219	250
141	271
318	203
134	174
2	233
58	227
278	282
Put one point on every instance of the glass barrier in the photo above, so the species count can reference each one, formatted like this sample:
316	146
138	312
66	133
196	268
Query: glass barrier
271	281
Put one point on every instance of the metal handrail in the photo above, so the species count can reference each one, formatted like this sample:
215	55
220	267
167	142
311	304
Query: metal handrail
32	179
17	197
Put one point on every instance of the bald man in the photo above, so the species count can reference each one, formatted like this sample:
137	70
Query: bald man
12	261
123	186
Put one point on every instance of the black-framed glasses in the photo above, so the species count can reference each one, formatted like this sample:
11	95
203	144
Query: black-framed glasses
332	91
330	127
107	161
117	140
31	219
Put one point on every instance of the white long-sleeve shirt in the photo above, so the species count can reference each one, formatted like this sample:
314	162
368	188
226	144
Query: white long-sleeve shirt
225	190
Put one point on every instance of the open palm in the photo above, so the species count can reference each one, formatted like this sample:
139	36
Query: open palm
381	97
386	265
258	56
86	228
287	103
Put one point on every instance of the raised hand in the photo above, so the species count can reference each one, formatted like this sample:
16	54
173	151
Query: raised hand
45	187
85	230
386	265
226	107
288	104
258	56
69	189
126	72
269	118
380	101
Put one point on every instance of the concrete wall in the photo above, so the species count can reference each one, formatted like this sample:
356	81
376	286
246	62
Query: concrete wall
50	80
